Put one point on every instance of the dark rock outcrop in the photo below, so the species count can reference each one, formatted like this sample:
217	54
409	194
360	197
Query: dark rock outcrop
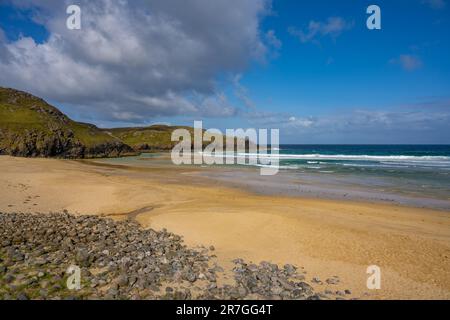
30	127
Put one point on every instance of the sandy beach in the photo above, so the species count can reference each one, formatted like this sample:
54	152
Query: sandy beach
325	237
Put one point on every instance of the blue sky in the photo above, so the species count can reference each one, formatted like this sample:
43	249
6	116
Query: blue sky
310	68
355	69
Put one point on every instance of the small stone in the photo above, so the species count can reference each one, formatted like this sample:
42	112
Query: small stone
191	277
316	280
83	258
132	280
43	293
276	290
18	256
122	281
40	261
242	292
8	278
22	296
289	269
154	287
332	281
113	292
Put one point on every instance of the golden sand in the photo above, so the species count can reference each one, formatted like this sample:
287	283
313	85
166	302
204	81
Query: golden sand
327	238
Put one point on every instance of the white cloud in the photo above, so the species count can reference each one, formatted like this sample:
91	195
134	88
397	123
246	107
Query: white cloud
273	40
332	27
408	62
134	60
407	123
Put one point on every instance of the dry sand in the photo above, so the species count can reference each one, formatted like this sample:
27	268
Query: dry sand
327	238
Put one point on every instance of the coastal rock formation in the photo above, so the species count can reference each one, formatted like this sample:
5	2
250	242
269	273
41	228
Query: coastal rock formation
30	127
120	260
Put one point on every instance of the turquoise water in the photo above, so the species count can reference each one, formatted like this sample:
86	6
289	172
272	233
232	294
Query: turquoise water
420	169
402	159
369	171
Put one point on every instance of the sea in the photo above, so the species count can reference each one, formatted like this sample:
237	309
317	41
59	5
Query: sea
414	170
421	161
417	175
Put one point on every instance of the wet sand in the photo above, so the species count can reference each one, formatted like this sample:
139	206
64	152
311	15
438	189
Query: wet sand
324	186
326	237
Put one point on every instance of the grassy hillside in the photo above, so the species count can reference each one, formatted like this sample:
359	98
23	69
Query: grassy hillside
156	137
31	127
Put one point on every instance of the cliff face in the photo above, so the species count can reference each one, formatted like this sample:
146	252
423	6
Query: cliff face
30	127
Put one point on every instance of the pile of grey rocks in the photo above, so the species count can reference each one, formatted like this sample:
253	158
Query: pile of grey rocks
120	260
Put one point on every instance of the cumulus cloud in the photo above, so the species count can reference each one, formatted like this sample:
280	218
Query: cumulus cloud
408	62
405	123
134	60
332	27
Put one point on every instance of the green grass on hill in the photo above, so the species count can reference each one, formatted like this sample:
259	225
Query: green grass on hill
20	111
29	126
156	137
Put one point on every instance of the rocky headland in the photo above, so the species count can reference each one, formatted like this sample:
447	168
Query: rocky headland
30	127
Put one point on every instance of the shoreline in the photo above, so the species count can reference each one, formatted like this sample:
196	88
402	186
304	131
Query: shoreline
309	188
326	237
305	185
